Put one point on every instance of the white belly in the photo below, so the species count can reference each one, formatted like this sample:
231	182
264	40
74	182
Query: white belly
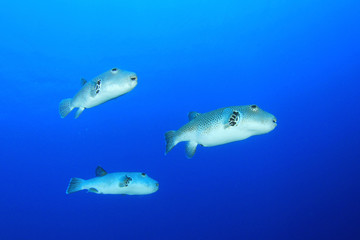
84	98
221	136
105	185
97	100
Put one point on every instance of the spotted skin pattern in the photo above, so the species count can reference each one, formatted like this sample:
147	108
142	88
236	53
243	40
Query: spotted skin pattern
221	126
207	122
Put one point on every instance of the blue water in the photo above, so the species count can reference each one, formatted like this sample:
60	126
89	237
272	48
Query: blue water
298	60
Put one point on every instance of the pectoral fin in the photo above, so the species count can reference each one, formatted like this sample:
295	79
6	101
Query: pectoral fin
231	117
127	180
95	88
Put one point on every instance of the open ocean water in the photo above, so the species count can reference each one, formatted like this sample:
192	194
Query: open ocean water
299	60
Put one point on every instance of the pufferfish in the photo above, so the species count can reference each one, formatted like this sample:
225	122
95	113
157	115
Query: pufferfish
221	126
125	183
106	86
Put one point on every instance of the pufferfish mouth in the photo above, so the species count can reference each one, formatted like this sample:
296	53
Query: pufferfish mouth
133	78
274	122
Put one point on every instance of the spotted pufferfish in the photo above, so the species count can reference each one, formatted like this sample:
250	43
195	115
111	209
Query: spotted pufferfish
104	87
221	126
125	183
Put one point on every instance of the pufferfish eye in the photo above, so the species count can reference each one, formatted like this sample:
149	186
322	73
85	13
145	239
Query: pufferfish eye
254	107
143	174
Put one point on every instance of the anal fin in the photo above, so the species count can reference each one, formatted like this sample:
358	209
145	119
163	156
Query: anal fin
79	111
191	149
93	190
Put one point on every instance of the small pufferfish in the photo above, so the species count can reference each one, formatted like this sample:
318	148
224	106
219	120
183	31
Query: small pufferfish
221	126
107	86
126	183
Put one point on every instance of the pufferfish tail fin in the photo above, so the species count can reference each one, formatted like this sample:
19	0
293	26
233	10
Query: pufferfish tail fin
75	185
170	137
65	107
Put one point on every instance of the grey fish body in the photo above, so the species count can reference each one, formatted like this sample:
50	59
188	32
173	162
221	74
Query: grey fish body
221	126
129	183
105	87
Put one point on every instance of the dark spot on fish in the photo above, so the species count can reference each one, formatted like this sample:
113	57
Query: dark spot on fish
234	118
114	69
97	91
127	181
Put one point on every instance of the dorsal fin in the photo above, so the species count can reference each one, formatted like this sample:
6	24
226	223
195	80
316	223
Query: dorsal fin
100	172
193	115
83	81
